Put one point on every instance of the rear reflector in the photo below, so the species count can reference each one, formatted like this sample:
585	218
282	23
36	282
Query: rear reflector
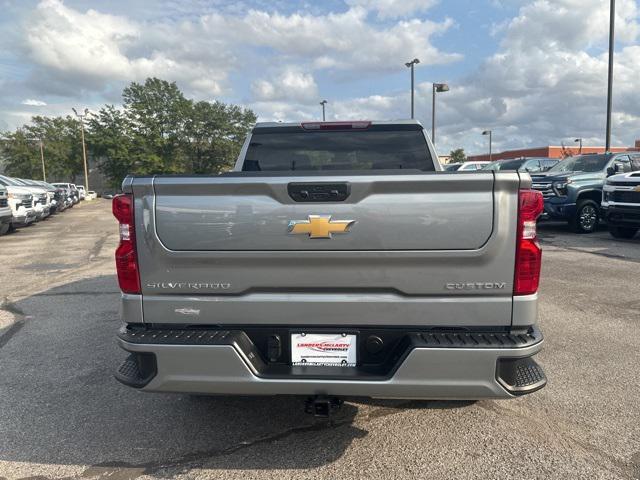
528	252
126	255
359	125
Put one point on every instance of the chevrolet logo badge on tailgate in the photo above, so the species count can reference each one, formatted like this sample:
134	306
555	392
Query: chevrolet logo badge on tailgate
319	226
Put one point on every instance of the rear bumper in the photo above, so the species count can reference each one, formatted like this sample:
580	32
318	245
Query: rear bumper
425	370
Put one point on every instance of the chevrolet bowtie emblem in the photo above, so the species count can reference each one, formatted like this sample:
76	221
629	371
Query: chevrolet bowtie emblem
319	226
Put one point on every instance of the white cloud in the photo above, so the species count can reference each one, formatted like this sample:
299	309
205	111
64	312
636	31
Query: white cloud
335	40
33	103
102	48
289	85
547	82
92	50
394	8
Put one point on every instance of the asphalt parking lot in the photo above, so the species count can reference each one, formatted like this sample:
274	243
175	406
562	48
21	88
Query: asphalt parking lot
64	416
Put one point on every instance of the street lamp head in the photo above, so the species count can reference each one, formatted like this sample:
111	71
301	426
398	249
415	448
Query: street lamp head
577	139
441	87
486	132
323	102
415	61
74	110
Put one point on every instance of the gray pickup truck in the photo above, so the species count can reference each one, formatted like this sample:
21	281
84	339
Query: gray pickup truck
337	259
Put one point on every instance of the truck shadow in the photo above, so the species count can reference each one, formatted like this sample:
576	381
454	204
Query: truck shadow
61	404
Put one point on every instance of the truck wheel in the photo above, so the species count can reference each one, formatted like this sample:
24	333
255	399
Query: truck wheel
623	232
586	218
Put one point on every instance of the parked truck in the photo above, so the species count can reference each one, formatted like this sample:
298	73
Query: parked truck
621	203
572	189
5	211
337	259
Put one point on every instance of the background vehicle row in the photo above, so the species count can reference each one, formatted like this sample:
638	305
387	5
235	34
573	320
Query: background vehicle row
24	201
583	190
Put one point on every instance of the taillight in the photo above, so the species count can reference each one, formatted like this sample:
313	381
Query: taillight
356	125
528	252
126	255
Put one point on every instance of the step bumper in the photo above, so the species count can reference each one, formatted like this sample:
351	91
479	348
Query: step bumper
228	365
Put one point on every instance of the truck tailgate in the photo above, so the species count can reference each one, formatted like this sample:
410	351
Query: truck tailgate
423	249
396	212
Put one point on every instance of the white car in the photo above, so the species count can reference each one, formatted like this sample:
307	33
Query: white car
472	166
41	197
81	192
72	192
91	195
20	201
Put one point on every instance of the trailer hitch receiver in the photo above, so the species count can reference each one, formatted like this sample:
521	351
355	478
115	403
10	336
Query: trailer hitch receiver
322	406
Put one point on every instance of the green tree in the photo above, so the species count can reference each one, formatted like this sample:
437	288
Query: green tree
160	131
457	156
20	150
157	131
20	155
110	140
158	112
214	132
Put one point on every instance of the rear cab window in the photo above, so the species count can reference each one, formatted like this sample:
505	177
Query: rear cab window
377	147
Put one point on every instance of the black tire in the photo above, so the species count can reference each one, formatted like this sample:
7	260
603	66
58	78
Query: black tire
623	232
587	217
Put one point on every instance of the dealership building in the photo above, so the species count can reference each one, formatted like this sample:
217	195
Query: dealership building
548	152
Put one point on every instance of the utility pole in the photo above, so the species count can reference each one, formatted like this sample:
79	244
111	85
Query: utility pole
84	150
612	18
412	64
323	103
44	173
579	140
41	144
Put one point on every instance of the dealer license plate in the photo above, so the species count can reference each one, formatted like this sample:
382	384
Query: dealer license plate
323	349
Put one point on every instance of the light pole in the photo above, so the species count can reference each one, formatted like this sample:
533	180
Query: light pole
84	150
490	133
579	140
323	103
437	88
412	64
612	17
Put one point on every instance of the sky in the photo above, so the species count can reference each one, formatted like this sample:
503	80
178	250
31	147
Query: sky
532	71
